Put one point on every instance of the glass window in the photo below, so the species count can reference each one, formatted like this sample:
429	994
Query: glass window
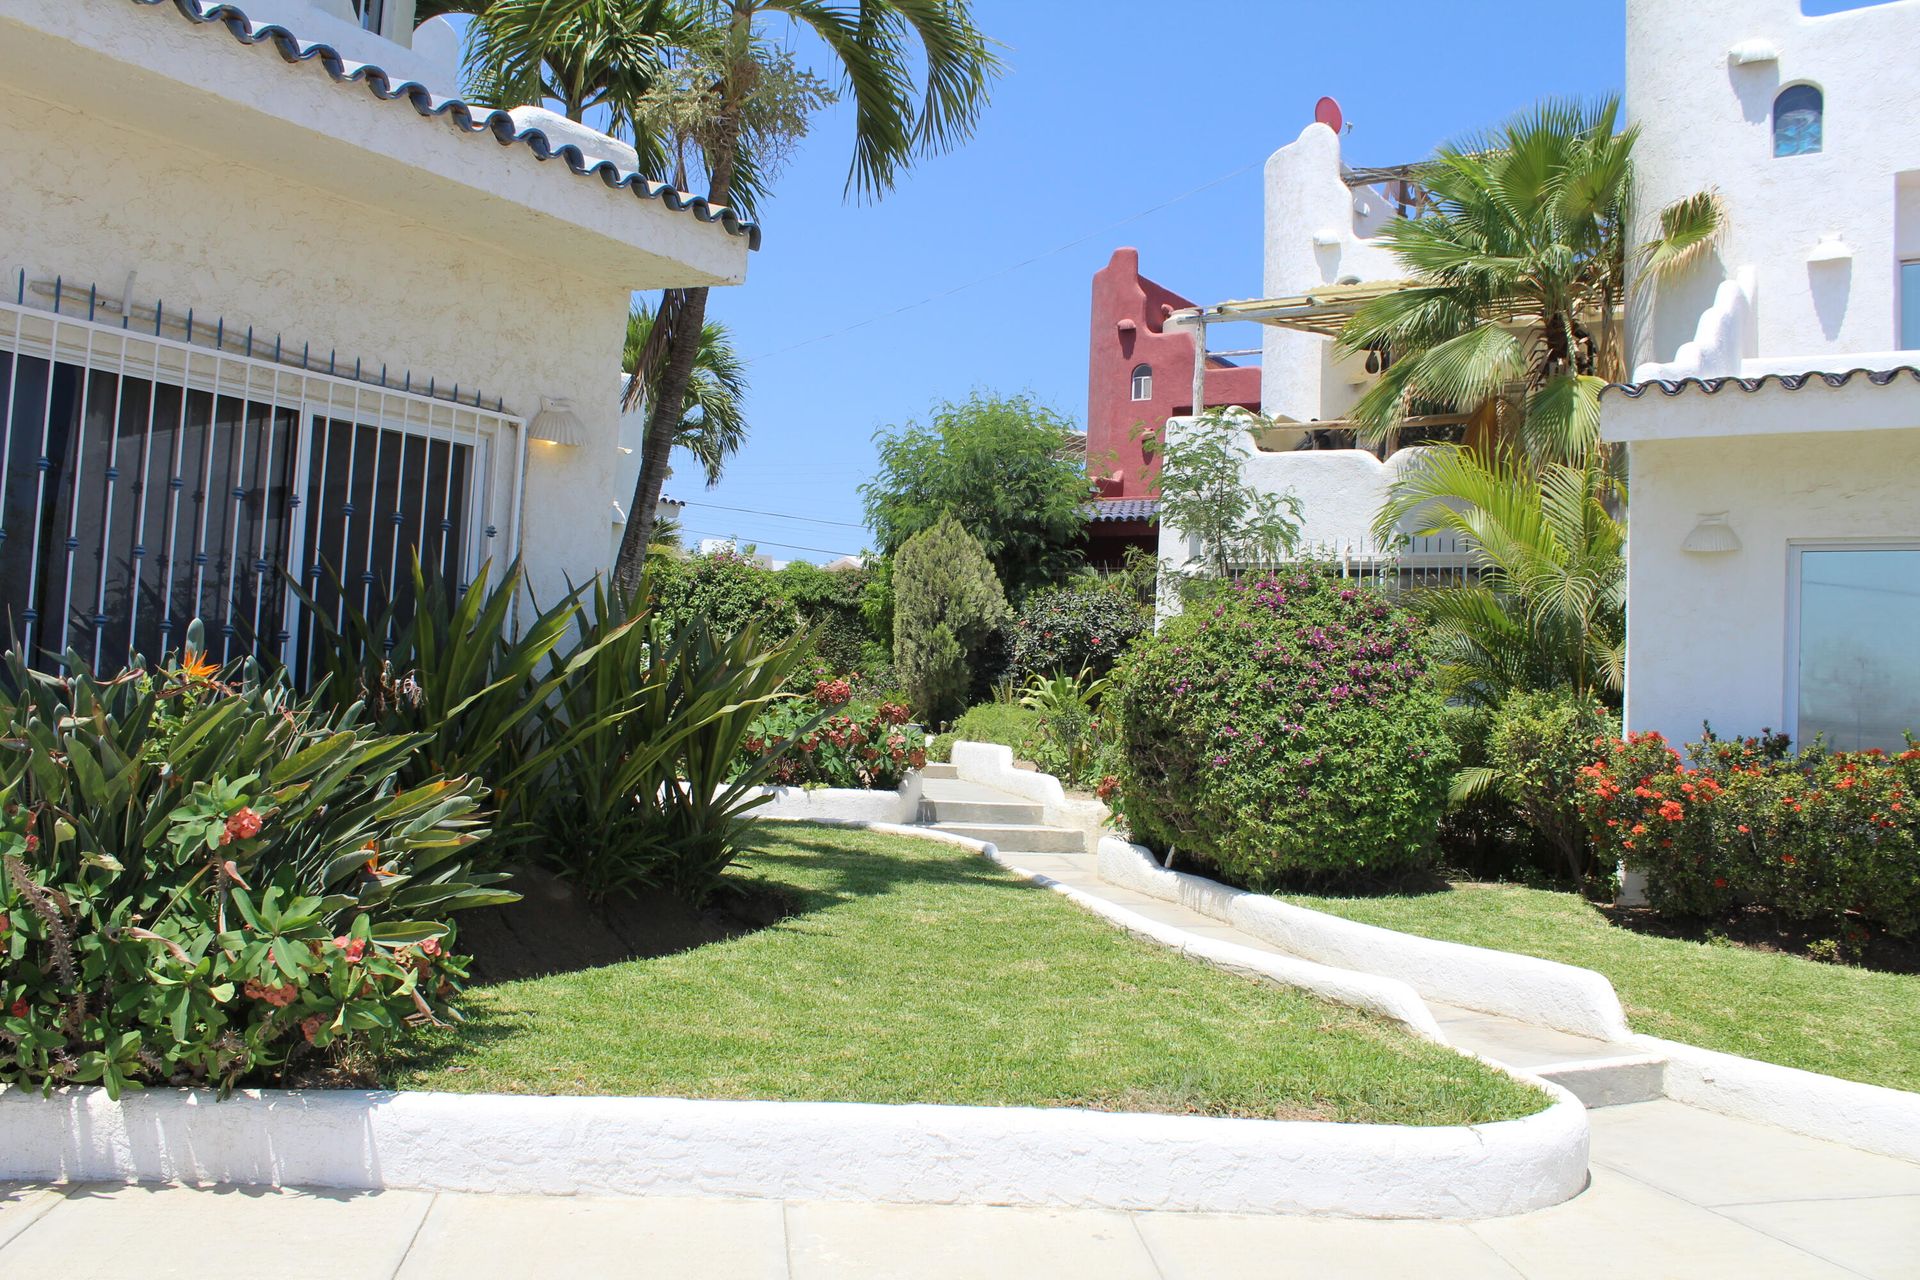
371	13
1143	382
1797	119
1910	306
1857	669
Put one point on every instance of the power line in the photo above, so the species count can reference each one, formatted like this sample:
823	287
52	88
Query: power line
777	515
995	275
737	540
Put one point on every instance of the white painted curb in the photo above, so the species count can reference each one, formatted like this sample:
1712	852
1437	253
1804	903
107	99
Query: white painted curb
1577	1001
843	803
796	1150
1870	1117
991	765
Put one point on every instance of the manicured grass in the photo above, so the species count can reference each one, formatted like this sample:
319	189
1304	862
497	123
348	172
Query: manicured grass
919	972
1767	1005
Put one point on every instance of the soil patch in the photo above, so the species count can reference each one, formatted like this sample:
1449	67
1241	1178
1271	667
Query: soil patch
1758	929
553	929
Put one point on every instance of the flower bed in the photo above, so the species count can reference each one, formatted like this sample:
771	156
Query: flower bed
822	743
1817	835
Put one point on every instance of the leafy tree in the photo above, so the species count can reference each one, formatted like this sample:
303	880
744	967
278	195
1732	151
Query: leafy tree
714	425
947	602
1009	468
1203	495
829	602
1521	270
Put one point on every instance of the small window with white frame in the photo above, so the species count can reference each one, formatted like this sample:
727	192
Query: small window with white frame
1853	675
1143	382
1799	121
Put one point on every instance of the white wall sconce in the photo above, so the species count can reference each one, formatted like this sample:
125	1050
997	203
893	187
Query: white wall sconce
1326	238
1753	53
1831	249
557	423
1712	535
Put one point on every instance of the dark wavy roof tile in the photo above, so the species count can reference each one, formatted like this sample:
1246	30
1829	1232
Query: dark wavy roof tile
1788	381
429	106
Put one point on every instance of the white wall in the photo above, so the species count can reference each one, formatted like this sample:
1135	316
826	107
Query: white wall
1707	634
1307	198
1707	123
336	236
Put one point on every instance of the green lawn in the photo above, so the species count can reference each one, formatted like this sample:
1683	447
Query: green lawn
1767	1005
918	972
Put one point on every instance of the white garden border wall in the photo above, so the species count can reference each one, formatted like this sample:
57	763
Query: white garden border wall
1870	1117
991	765
1577	1001
915	1154
796	1150
829	804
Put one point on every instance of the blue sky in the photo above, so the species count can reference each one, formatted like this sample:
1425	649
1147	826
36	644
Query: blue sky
1106	110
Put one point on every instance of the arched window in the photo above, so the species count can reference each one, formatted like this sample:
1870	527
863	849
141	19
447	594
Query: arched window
1797	116
1143	382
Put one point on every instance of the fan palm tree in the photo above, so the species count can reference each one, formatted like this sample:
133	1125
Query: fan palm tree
1520	271
714	425
1549	608
918	73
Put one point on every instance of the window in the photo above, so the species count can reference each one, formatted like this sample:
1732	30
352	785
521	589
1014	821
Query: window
1910	306
371	13
146	482
1855	674
1797	120
1143	382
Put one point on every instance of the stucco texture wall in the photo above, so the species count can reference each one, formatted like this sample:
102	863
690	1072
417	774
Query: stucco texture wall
1707	635
206	230
1706	123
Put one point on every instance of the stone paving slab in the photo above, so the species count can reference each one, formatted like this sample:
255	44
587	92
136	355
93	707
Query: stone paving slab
590	1239
1877	1236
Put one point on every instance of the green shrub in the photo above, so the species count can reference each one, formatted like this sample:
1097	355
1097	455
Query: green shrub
725	592
829	604
1063	630
1074	740
947	603
1007	723
208	880
1821	837
1537	741
1285	730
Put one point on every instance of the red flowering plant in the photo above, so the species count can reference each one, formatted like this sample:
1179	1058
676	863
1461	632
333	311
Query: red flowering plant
185	888
1818	836
824	740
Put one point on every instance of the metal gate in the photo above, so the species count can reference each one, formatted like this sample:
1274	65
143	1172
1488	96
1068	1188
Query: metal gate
154	470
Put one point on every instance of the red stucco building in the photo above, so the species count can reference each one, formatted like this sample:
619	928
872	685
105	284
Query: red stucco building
1137	378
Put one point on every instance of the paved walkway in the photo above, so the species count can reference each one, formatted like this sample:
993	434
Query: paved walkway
1676	1192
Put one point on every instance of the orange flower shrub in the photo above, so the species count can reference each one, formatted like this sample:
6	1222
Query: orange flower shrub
1818	836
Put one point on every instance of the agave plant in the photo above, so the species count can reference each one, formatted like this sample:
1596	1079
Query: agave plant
446	666
642	791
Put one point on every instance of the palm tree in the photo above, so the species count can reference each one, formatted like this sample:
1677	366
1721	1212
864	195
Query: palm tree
1520	272
1549	608
918	72
714	425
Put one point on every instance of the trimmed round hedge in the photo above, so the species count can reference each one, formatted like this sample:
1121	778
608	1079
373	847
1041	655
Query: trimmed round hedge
1286	731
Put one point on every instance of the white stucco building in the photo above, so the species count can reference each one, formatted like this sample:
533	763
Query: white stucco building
272	298
1322	259
1773	423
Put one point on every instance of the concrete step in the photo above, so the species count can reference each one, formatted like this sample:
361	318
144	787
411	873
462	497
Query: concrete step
942	771
1599	1073
1018	837
1011	813
1610	1082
